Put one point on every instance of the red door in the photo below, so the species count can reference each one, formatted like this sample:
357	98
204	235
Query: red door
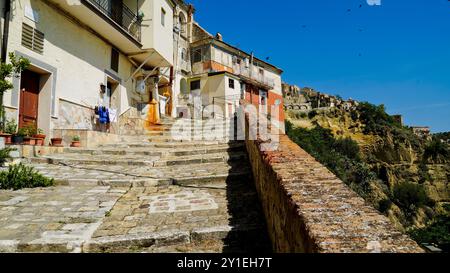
29	98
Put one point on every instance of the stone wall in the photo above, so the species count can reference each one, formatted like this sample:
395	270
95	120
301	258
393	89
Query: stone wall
74	116
308	209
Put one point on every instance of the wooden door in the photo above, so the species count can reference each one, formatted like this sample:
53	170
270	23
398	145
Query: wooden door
29	98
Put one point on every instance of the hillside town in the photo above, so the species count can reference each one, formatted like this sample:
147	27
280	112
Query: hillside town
127	127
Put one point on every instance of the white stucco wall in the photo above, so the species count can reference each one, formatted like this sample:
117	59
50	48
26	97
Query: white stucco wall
79	56
154	34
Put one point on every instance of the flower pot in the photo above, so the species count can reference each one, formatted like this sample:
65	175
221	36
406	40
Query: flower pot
56	141
29	141
18	140
8	138
76	144
40	141
39	136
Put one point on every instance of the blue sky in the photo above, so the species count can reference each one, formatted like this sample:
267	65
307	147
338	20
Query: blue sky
397	54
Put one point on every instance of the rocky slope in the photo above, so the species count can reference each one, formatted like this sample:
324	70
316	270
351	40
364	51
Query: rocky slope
400	160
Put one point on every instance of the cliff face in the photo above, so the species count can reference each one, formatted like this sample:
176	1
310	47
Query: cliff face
396	156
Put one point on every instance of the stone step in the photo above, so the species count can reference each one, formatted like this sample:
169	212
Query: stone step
196	159
130	160
159	151
218	180
69	159
228	239
93	175
167	145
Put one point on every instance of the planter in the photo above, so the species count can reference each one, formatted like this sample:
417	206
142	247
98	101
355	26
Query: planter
76	144
18	140
40	139
29	141
8	138
56	141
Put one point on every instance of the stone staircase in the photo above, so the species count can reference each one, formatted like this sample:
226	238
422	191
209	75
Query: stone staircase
181	196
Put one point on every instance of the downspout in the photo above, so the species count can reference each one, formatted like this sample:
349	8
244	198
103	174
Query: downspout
7	16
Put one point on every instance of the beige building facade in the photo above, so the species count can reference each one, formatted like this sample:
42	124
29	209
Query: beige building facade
87	54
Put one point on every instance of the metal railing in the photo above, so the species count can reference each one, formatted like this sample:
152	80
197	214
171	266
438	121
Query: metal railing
121	14
254	75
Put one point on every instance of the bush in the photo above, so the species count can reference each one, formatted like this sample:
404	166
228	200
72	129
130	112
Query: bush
384	205
347	147
410	197
437	151
5	155
435	233
20	176
312	114
375	118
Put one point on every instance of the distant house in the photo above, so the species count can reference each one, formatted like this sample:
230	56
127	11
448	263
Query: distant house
421	131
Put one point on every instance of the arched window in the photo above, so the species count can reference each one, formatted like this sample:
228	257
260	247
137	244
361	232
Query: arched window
183	86
182	23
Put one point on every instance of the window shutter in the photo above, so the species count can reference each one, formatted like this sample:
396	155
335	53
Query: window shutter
32	38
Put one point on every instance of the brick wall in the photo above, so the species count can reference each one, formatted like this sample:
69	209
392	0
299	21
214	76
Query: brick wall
308	209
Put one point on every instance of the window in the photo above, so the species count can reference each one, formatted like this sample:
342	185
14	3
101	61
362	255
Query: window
195	85
231	83
32	39
115	60
184	55
197	55
163	17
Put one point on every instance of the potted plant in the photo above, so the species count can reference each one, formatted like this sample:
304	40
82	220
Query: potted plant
28	139
18	137
76	141
40	137
10	129
57	142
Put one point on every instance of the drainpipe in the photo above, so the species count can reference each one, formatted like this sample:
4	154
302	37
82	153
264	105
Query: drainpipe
7	16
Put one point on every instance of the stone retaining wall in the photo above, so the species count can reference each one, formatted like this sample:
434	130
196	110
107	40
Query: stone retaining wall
308	209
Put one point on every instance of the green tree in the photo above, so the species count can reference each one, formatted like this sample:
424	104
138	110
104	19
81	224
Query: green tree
7	71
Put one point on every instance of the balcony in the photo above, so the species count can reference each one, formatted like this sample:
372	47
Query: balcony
254	76
122	15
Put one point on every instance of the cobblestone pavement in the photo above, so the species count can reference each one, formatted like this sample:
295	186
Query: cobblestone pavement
53	219
138	196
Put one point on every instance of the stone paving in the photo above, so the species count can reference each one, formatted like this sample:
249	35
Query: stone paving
53	219
138	196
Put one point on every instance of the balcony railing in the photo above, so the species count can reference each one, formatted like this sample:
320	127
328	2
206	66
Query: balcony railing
254	75
121	14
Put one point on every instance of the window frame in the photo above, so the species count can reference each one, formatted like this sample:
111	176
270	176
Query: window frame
231	83
191	85
163	17
115	62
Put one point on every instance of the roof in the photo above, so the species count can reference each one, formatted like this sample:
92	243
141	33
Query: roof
233	48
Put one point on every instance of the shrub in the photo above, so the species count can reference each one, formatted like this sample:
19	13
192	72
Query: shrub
384	205
5	155
312	114
436	232
76	138
375	118
410	197
437	151
347	147
20	176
